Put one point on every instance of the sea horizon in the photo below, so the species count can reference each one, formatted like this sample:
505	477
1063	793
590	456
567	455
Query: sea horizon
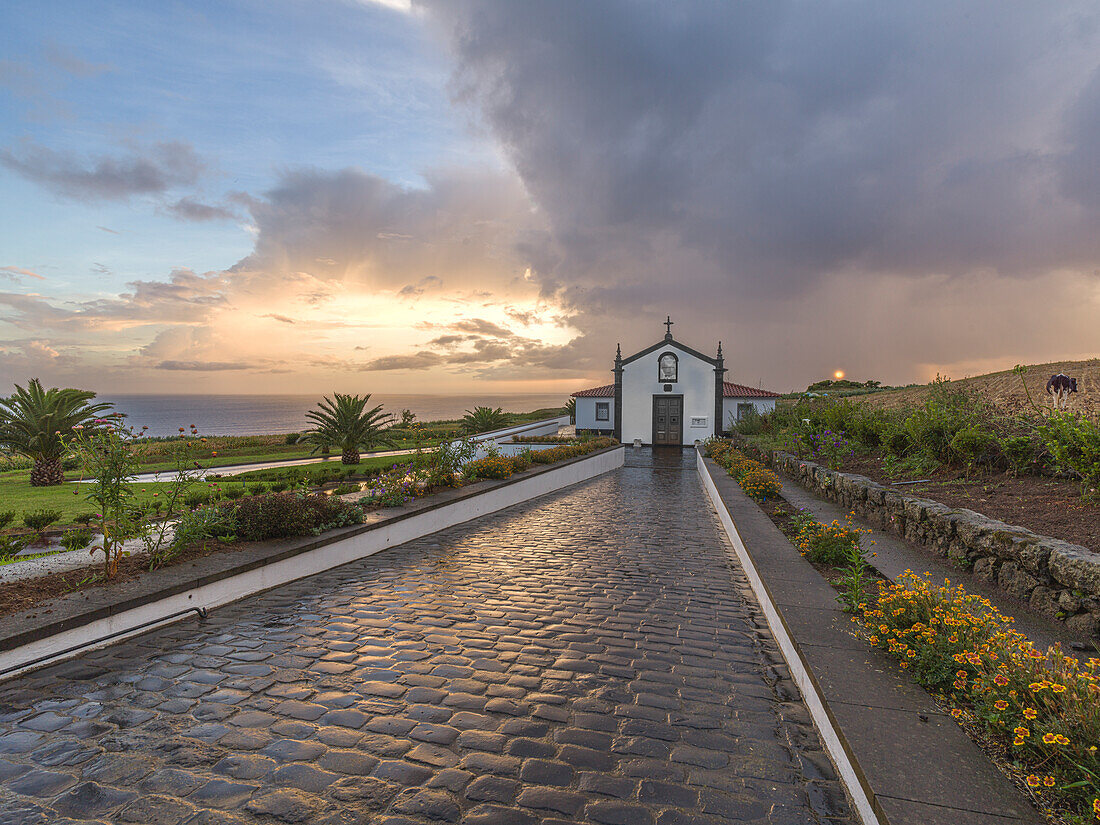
271	413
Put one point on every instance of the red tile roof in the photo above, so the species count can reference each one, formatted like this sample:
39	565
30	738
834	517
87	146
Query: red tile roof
728	391
741	391
597	392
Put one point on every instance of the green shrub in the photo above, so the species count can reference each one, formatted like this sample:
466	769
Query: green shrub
6	518
257	488
234	492
84	518
1019	452
278	486
292	438
973	444
77	539
751	422
13	545
41	519
761	484
281	515
197	527
897	441
196	498
1074	442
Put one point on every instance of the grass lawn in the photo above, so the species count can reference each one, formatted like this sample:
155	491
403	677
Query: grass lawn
16	493
329	468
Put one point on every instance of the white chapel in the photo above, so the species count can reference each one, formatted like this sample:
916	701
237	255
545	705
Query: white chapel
667	394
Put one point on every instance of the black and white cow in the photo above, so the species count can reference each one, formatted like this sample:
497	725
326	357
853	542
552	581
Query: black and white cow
1059	387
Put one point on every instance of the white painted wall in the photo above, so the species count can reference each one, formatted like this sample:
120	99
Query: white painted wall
695	382
586	414
729	408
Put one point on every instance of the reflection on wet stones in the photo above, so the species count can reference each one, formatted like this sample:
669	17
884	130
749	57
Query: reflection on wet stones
590	655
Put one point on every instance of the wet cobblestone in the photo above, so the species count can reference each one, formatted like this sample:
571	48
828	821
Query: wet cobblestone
591	656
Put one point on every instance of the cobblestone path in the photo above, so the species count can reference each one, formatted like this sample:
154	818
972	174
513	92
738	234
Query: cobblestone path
591	656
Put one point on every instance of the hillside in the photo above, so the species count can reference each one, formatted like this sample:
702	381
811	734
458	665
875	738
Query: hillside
1004	388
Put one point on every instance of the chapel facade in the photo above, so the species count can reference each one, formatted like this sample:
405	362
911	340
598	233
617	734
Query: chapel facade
667	394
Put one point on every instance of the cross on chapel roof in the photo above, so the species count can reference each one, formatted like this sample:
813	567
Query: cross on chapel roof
668	327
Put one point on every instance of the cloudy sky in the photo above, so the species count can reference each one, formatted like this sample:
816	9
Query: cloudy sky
462	195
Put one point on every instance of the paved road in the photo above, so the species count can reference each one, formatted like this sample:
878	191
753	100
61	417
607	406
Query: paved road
590	656
236	469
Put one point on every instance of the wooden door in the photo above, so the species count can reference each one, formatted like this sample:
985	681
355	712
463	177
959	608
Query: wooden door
668	420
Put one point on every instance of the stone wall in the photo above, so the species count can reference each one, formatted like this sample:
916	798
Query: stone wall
1057	579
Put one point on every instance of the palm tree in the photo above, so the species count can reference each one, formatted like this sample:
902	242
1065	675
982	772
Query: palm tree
347	423
35	422
483	419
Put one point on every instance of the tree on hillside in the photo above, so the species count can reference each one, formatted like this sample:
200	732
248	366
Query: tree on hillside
344	421
36	422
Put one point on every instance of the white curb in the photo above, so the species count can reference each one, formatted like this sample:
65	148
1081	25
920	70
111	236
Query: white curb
848	776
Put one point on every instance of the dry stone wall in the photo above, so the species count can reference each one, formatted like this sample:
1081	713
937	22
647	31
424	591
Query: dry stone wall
1057	579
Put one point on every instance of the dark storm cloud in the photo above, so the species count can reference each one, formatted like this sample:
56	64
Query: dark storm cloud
152	171
189	209
760	145
364	229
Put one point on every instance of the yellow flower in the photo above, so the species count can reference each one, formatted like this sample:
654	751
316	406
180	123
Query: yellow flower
1048	781
1030	713
1021	732
1033	781
1049	738
1000	704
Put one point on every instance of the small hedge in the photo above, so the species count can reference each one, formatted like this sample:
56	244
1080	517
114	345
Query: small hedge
281	515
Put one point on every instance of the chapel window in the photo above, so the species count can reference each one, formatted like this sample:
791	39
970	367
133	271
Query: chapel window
667	366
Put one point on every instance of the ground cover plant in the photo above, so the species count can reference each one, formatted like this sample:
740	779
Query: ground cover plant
1044	707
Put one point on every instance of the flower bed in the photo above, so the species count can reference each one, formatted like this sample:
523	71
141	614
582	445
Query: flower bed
1039	711
755	479
1043	707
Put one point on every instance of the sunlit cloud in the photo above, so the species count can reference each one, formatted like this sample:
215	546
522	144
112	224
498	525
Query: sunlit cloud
13	271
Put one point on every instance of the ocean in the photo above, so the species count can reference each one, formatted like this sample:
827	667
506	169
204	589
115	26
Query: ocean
255	414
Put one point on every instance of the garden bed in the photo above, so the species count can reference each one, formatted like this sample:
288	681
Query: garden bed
1044	505
1033	714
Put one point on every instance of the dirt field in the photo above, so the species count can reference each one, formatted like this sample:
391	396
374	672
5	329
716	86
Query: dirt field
1005	390
1048	506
